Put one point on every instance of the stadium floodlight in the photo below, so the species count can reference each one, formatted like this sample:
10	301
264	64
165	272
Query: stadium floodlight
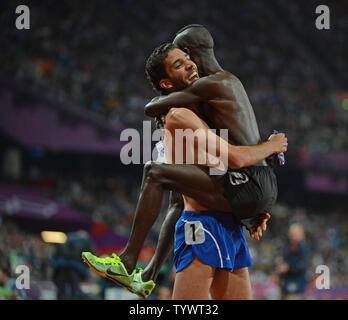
53	236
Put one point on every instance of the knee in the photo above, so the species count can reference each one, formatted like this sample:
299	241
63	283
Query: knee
152	171
176	117
149	168
176	200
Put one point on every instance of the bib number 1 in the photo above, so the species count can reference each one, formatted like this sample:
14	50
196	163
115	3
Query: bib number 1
194	232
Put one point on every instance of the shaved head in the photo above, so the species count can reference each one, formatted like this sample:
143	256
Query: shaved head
194	36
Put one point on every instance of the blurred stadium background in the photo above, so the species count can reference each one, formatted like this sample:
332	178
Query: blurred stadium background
75	80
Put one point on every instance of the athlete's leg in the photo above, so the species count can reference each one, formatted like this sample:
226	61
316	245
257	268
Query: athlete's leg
202	145
189	180
217	151
193	282
165	242
231	285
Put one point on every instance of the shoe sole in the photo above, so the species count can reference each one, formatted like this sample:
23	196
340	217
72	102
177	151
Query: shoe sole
104	275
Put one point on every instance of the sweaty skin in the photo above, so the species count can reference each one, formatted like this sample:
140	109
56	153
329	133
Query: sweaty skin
191	180
223	102
222	99
170	125
232	110
185	178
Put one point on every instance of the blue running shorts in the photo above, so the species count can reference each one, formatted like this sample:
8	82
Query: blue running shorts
216	238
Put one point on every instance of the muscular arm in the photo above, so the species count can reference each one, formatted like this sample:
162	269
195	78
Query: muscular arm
203	89
243	156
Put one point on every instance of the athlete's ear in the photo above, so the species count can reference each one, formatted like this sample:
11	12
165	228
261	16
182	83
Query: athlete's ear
166	84
187	50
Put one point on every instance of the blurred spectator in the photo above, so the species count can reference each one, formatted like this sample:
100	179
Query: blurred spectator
8	289
93	55
81	58
273	290
69	270
296	261
166	284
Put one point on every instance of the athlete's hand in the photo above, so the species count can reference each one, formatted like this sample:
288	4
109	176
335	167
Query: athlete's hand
279	142
259	225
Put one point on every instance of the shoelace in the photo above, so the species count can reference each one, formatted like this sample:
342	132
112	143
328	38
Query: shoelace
111	259
138	274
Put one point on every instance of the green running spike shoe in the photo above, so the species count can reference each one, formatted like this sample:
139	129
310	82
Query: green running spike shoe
141	289
111	268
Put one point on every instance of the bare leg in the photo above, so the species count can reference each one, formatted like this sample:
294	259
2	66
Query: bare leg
193	282
165	242
231	285
220	150
189	180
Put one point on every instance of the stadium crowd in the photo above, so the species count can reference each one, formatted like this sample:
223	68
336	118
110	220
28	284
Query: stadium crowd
325	237
95	57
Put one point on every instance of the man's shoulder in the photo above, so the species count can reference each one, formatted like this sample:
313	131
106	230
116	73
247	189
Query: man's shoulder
217	78
220	74
223	76
215	85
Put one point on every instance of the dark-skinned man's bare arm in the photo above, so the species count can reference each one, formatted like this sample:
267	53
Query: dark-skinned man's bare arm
203	89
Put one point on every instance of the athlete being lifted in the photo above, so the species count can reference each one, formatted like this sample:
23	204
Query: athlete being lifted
247	193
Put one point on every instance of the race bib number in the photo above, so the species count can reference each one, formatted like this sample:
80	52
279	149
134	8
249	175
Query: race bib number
161	158
194	232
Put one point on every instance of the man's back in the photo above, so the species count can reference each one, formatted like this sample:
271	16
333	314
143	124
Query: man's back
227	106
232	110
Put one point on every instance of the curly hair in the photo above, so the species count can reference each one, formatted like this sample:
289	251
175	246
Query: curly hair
155	69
